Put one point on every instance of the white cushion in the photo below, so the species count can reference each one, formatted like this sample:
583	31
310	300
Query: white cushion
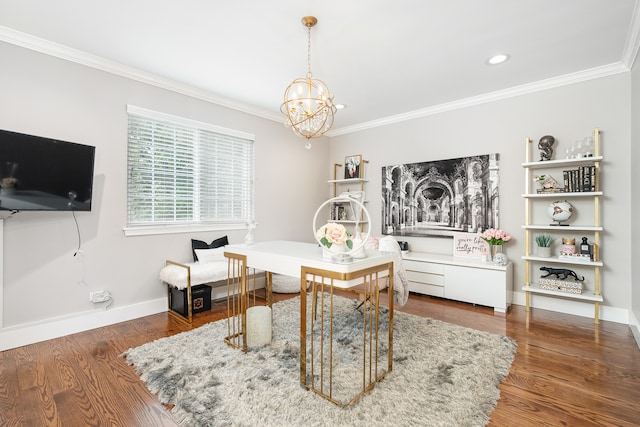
210	255
389	244
285	284
176	275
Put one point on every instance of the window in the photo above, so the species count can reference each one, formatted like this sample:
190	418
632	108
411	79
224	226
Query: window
185	175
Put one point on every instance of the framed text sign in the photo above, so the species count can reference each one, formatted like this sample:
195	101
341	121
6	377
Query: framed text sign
468	245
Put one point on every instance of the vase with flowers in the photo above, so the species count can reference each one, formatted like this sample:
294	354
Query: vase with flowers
496	238
334	238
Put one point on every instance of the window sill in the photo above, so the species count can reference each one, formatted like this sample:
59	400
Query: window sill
149	230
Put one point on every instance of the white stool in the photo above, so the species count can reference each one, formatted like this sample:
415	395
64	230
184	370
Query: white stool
258	326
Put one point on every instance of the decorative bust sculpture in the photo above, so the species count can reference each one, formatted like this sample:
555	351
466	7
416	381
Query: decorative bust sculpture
545	146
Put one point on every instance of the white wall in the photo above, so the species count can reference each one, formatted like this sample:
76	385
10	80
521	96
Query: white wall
568	113
635	201
43	282
46	288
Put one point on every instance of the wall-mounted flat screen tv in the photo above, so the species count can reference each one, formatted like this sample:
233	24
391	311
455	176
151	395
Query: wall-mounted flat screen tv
44	174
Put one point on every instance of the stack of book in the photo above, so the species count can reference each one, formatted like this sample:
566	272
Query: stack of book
338	213
585	178
575	257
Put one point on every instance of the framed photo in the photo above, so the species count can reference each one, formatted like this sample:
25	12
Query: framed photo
441	197
352	167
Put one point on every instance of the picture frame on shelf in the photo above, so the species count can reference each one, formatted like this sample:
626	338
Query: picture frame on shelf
352	166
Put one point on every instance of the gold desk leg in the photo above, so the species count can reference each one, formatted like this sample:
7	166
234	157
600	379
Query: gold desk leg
303	327
237	301
269	280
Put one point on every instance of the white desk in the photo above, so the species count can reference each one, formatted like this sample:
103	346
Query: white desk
304	260
286	257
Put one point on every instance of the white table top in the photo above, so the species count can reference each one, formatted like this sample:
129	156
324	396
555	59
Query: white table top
286	257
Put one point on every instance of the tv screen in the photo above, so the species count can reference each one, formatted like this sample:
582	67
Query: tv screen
44	174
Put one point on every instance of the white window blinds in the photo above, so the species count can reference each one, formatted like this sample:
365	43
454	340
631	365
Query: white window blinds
184	173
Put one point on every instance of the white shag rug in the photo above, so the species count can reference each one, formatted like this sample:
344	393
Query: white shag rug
443	374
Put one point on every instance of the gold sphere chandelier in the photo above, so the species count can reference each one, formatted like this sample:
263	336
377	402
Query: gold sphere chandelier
308	103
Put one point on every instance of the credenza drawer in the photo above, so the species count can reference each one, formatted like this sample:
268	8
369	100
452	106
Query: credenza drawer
425	267
426	289
460	279
427	278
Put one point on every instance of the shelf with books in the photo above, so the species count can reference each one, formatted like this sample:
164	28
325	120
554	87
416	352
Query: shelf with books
559	260
563	194
580	182
563	228
586	296
345	212
548	164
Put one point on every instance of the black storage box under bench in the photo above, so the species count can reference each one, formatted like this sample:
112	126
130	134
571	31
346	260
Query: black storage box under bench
200	297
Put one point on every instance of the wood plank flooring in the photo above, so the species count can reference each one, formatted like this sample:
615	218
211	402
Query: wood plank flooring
567	372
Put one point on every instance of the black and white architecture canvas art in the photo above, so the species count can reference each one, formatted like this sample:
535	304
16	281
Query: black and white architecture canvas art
439	198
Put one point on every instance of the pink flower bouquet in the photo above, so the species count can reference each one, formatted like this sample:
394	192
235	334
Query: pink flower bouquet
331	233
495	237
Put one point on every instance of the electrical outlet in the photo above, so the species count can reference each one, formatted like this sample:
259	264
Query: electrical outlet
99	296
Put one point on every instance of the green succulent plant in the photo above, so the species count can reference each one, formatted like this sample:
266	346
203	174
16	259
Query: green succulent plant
544	240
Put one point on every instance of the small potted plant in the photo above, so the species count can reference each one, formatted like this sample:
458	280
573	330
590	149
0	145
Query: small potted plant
544	241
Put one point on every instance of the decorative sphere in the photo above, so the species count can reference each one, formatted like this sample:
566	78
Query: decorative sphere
560	211
500	259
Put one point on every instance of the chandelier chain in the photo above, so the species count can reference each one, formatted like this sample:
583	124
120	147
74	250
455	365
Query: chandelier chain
309	75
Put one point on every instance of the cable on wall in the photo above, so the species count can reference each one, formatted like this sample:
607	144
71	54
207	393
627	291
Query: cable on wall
78	250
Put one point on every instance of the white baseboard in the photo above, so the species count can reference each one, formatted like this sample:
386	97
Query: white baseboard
577	308
634	324
219	289
17	336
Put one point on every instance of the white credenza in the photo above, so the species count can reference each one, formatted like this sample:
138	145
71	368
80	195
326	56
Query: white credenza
460	279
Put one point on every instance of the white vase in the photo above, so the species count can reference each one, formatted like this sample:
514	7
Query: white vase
544	252
336	248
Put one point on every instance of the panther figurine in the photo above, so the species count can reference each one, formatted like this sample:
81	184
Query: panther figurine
564	272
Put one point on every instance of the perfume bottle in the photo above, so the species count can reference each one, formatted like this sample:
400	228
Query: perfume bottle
586	248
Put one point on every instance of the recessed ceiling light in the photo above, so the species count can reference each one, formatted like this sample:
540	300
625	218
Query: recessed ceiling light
498	59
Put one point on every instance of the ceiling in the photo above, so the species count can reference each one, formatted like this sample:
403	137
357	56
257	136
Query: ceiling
385	60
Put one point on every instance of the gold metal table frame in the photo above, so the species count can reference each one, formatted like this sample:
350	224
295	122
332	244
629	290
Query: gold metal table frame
304	260
316	331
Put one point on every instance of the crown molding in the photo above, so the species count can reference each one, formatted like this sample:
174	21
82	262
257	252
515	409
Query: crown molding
632	44
83	58
564	80
63	52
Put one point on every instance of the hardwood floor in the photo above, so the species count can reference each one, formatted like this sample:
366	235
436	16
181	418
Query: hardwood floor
566	372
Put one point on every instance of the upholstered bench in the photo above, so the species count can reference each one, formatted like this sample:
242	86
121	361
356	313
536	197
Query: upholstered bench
185	276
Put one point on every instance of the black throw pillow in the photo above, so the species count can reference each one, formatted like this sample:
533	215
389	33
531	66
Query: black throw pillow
199	244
